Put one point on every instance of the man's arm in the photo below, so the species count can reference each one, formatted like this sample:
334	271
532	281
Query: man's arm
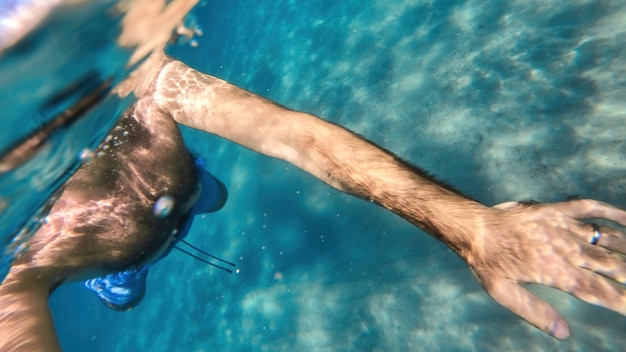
25	319
505	245
331	153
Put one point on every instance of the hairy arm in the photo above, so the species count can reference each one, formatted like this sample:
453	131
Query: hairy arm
504	246
331	153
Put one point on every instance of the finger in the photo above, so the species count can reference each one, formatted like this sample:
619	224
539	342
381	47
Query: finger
589	208
602	261
595	289
506	205
610	238
529	307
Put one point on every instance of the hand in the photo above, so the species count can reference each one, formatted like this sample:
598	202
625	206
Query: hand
548	244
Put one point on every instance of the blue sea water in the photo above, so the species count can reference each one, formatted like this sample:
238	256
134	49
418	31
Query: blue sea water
503	99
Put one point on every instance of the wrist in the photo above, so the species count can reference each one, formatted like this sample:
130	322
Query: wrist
454	219
462	227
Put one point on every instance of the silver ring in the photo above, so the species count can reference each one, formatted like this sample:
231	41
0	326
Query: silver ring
596	234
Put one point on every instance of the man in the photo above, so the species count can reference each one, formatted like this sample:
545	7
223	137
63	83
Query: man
111	215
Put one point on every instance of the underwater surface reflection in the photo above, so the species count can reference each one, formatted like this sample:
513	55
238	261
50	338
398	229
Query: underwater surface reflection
504	100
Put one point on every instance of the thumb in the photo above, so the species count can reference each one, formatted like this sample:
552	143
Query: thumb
527	306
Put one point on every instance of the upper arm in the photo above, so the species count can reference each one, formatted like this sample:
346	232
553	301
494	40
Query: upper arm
329	152
215	106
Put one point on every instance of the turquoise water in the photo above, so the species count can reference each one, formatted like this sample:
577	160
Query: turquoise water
504	100
53	68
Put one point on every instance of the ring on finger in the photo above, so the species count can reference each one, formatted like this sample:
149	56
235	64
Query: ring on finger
596	234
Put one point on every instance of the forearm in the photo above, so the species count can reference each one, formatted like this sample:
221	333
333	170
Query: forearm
25	320
358	167
329	152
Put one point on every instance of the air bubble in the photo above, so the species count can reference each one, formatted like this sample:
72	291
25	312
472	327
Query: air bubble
86	155
163	206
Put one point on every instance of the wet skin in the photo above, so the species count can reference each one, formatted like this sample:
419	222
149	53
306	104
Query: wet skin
104	222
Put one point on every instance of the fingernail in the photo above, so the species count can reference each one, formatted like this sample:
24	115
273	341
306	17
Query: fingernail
560	330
